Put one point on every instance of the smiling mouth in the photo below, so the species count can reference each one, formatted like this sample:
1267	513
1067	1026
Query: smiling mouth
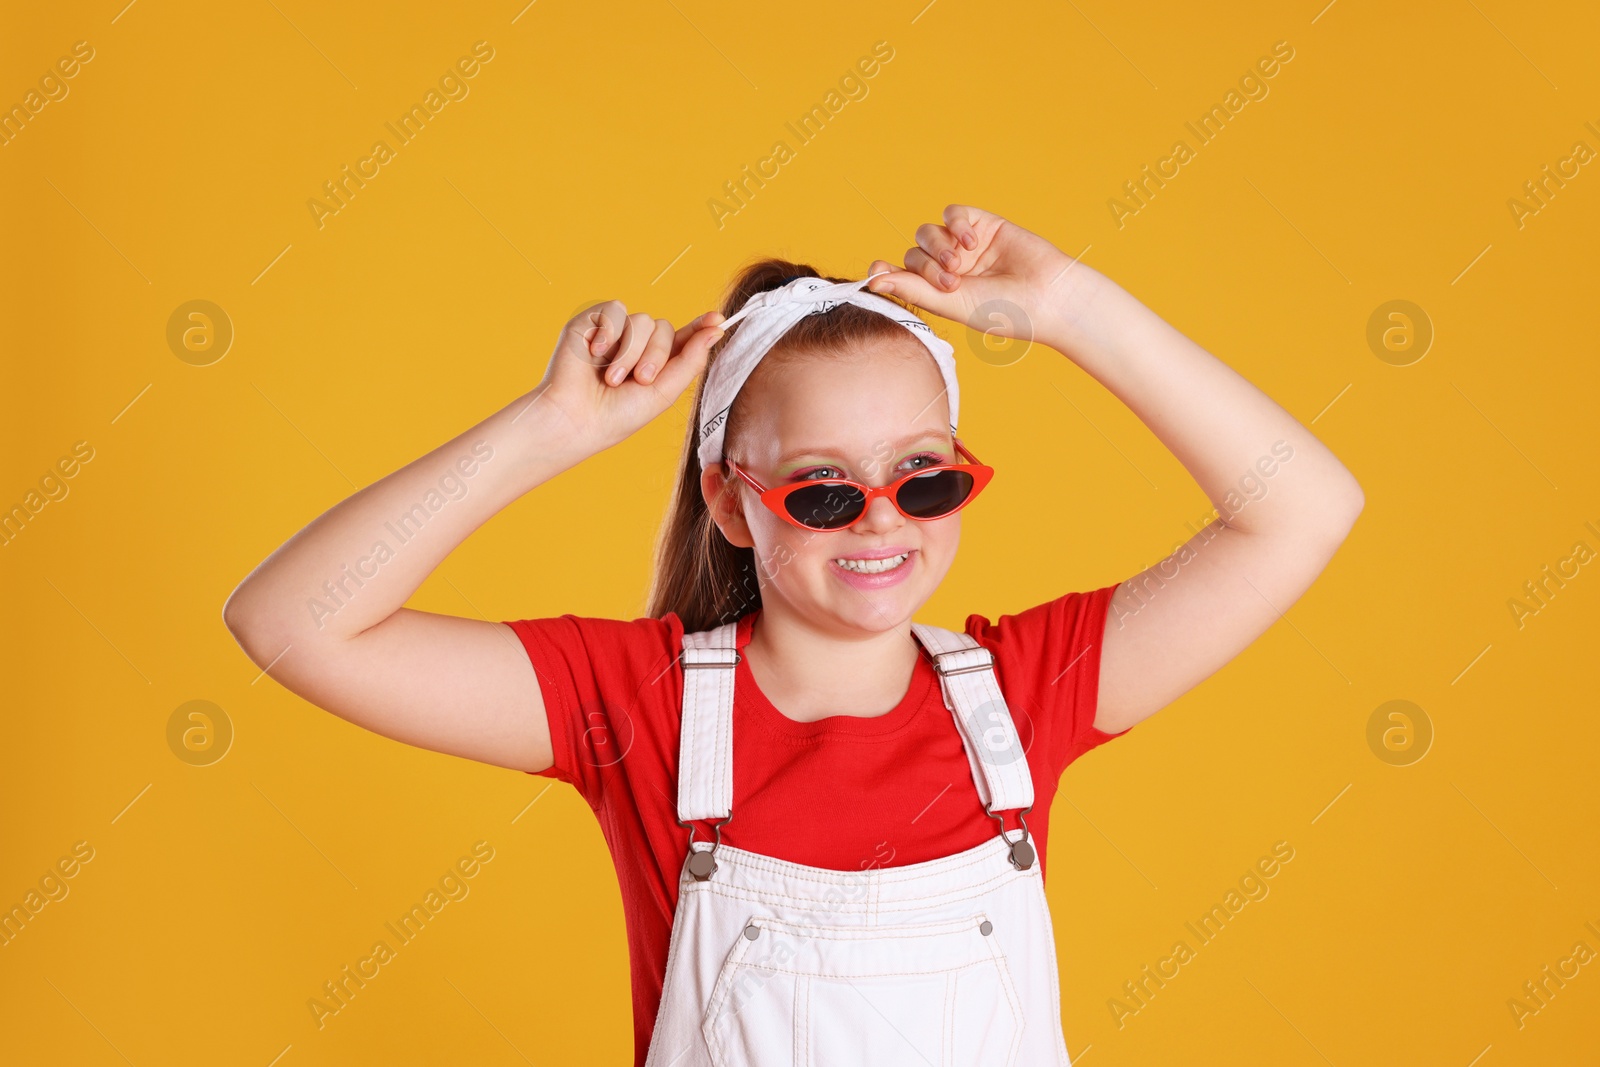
873	566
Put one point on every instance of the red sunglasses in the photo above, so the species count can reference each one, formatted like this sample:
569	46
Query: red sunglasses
838	503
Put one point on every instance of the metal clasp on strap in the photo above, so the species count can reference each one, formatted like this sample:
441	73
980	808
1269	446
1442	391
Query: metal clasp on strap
1022	851
687	663
938	661
701	863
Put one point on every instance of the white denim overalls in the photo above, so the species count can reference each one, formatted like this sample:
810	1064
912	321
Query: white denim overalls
946	963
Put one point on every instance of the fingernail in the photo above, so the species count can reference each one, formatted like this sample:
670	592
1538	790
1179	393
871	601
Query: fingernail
946	258
947	279
646	371
969	241
614	375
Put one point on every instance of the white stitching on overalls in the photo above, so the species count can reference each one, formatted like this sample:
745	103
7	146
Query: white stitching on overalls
865	907
726	688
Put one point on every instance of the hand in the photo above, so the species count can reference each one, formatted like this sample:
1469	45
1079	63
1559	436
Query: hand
612	372
984	272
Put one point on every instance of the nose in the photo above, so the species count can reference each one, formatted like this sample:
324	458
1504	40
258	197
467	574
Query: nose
881	517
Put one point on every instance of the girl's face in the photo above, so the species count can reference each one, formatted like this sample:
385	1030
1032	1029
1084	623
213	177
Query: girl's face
872	417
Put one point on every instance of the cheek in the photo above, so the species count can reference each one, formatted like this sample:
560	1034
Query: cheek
779	546
940	541
942	536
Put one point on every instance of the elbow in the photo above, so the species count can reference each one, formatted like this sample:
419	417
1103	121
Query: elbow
266	622
239	619
248	620
233	615
1328	520
238	612
1354	500
1344	508
1338	498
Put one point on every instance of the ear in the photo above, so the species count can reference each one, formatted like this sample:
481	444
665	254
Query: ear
726	508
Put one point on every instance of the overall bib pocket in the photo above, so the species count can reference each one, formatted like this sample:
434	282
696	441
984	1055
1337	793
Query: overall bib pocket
920	994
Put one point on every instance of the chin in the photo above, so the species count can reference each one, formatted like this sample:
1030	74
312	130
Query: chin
883	609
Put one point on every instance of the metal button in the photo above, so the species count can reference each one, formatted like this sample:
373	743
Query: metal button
986	928
701	864
1022	855
752	931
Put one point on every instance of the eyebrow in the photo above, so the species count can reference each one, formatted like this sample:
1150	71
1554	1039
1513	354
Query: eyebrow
834	453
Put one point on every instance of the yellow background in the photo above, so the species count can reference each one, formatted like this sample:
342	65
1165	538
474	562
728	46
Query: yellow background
579	168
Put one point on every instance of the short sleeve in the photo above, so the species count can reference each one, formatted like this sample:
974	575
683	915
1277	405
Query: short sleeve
1048	659
588	670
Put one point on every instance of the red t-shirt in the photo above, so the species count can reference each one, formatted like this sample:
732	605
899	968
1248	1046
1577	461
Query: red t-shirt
844	792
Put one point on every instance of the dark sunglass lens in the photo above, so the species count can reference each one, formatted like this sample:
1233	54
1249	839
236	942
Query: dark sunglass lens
936	493
825	507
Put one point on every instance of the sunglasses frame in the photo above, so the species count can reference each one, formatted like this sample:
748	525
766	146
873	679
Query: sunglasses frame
773	498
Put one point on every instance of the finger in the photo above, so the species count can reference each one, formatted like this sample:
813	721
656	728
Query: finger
909	286
600	327
965	223
636	333
939	244
674	377
681	338
919	262
656	352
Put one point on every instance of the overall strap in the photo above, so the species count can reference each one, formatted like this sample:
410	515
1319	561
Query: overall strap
972	693
966	677
705	745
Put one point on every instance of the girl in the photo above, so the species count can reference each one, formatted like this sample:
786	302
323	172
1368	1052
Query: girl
879	898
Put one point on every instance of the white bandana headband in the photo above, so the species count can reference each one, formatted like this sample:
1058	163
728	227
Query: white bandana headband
771	314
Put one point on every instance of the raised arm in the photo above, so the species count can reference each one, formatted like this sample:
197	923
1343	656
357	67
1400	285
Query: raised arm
1285	502
324	614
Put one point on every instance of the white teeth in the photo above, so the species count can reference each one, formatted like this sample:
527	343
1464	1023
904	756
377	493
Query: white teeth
873	566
